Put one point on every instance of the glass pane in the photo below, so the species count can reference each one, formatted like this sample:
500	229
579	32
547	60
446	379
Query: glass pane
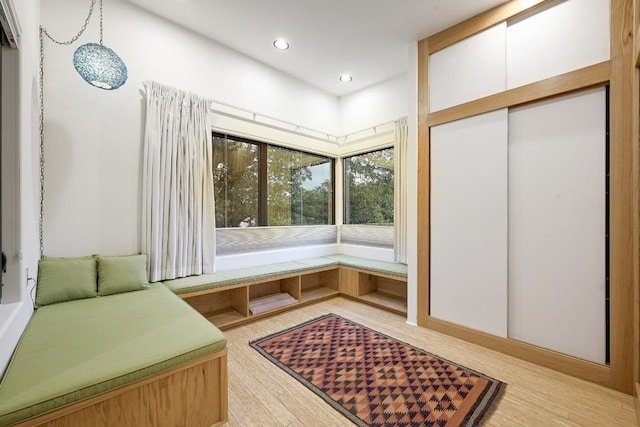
235	182
299	188
368	188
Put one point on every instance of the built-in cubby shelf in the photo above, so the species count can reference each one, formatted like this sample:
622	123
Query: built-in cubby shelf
231	306
377	289
235	305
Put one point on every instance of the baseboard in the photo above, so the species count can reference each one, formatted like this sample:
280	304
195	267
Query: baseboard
636	400
590	371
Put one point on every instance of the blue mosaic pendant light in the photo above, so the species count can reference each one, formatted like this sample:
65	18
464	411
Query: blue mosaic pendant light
98	65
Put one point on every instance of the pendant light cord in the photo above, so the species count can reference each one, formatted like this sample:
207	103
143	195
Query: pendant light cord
82	29
100	21
44	32
41	221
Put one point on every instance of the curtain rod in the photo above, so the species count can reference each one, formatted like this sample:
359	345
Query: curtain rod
296	127
371	128
320	137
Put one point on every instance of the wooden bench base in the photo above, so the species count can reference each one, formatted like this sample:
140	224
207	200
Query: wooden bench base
229	306
193	394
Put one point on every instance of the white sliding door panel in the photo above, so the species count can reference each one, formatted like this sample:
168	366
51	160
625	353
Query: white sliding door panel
469	222
470	69
571	34
557	224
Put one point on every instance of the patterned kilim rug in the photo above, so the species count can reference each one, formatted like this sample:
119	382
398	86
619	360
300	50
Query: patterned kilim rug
375	380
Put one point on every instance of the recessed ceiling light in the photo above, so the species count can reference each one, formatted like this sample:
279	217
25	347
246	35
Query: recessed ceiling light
281	44
346	78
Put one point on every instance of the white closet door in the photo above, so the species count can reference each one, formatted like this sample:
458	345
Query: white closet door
557	224
470	69
563	37
469	222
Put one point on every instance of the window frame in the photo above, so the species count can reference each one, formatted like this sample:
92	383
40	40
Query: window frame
345	193
263	208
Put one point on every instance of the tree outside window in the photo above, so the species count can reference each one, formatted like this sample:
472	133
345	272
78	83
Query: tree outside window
258	184
369	187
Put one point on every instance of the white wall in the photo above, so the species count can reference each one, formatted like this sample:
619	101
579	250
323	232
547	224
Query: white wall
381	103
20	178
94	137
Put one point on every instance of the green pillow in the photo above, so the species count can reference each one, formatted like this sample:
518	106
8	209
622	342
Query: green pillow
65	279
122	274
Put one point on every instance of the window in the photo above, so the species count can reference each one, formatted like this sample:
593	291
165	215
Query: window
258	184
368	188
235	177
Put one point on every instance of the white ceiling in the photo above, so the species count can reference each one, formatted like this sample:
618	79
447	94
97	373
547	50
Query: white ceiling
366	38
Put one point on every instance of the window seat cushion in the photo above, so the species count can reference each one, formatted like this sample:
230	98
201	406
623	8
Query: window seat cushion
243	275
385	267
238	276
77	349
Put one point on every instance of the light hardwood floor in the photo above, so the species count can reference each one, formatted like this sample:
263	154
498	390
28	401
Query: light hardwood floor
260	394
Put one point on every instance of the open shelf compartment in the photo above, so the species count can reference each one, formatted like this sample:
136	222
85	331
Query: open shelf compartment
319	285
223	307
383	292
272	295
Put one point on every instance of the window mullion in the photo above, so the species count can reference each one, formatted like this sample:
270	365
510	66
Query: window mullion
263	219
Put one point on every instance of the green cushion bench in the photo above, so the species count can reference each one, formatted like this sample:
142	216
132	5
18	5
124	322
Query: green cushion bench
245	275
202	282
74	350
384	267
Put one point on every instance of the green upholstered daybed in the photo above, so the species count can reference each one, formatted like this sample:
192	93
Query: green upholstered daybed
114	356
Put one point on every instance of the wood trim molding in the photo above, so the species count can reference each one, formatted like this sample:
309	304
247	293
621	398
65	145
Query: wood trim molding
594	75
584	369
424	185
481	22
636	134
623	183
636	401
636	220
424	220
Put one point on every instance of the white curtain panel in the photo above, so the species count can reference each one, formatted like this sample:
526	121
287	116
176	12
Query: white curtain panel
400	191
178	218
